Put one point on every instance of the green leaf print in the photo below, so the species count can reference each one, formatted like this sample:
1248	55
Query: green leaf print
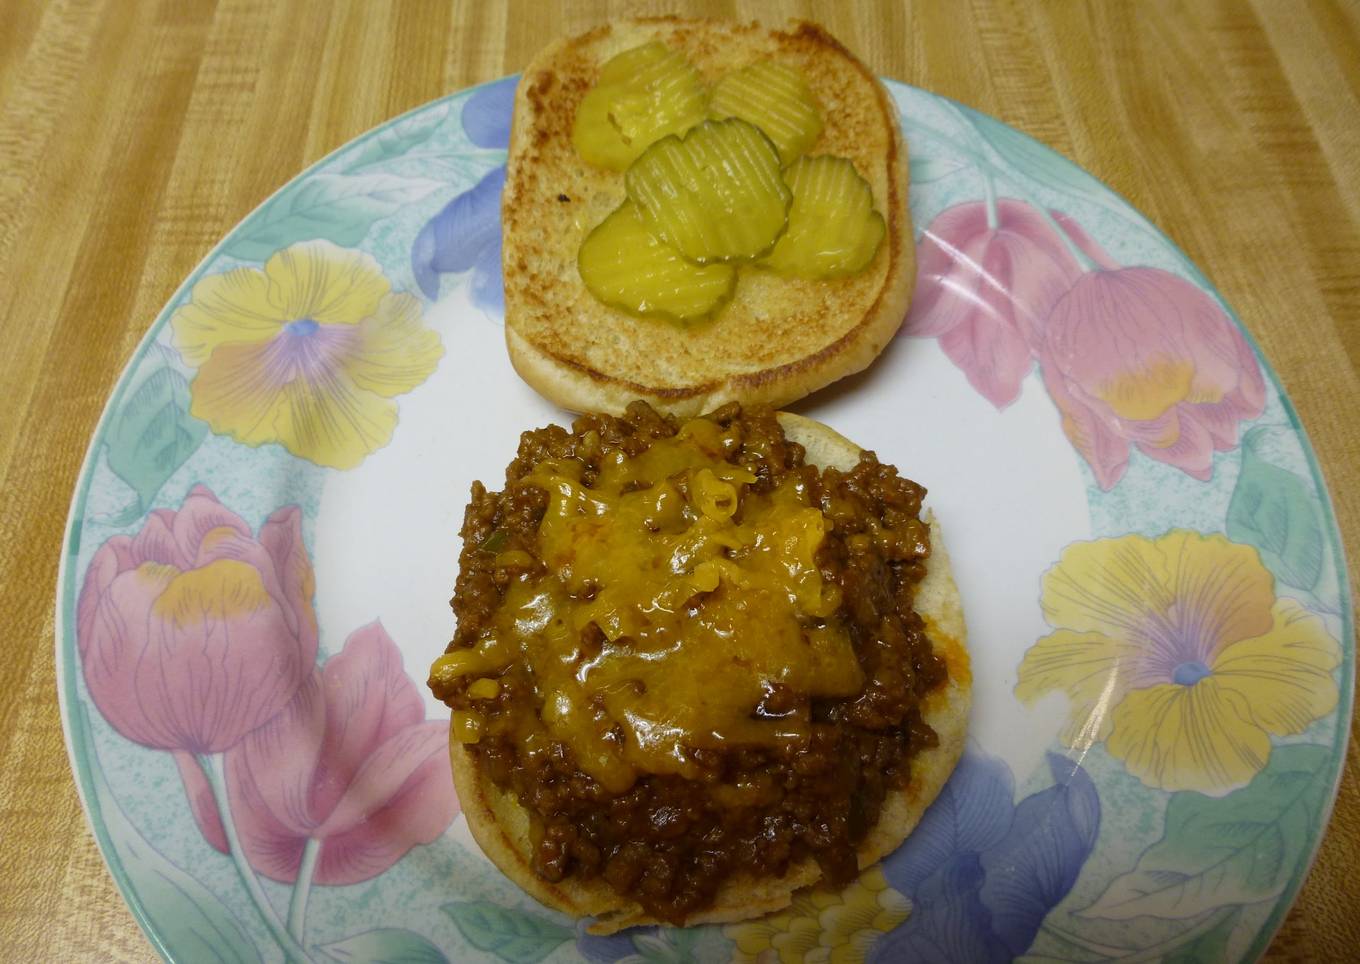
152	434
1210	946
1277	512
395	140
512	935
387	945
336	207
188	921
927	169
1034	160
1237	849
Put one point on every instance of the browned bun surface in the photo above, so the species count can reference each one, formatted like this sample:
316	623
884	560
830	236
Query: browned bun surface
779	338
501	826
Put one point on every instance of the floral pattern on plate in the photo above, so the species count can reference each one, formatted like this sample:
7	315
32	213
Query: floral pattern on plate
199	639
1133	357
268	779
1177	655
307	352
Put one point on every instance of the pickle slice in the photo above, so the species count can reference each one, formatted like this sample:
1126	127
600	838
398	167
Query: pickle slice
833	228
625	265
716	194
643	94
775	98
622	68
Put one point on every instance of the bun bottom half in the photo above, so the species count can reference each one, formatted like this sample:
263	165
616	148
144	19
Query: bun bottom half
501	826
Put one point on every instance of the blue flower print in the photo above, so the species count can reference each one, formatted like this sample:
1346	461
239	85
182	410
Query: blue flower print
604	950
983	873
486	114
465	236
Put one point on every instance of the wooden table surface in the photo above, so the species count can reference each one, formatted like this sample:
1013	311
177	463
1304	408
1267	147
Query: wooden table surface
134	135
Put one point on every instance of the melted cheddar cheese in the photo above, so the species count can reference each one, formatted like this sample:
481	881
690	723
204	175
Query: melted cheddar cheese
705	594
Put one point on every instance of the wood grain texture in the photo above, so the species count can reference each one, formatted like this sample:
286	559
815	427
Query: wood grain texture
134	135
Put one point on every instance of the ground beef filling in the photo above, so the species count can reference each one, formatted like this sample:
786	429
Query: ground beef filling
669	842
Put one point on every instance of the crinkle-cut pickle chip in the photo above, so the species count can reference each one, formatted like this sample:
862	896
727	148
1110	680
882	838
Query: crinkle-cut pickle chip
776	98
643	94
625	265
716	194
833	228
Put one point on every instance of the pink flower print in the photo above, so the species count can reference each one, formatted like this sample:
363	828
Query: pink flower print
351	762
985	290
193	633
1140	357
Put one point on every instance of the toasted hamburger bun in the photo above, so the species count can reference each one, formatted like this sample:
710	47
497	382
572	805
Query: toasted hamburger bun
779	338
501	826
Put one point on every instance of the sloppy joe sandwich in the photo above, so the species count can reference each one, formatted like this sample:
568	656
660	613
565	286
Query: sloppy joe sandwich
699	664
698	212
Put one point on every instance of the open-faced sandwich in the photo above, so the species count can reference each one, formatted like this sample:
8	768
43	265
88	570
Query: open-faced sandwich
699	664
699	212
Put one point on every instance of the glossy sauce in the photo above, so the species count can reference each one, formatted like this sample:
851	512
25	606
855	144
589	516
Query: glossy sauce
688	654
705	593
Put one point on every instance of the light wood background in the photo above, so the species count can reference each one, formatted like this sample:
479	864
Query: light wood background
134	135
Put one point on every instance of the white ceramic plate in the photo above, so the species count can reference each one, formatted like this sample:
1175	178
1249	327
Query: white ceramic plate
264	537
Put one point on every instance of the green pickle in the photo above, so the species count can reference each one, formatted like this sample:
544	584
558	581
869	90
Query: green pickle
643	95
625	265
716	194
833	230
775	98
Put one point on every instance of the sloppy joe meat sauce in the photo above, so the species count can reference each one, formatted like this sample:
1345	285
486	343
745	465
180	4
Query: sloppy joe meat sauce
689	654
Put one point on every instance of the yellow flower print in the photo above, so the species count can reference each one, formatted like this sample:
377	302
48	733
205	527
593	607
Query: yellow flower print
308	352
823	927
1176	653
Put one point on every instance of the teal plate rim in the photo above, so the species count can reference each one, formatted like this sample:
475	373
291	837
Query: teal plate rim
67	585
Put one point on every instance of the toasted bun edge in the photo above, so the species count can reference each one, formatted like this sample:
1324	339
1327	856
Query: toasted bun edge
577	386
501	826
